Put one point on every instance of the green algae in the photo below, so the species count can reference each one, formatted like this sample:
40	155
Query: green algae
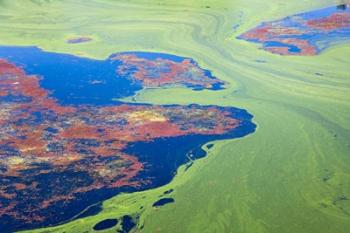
290	176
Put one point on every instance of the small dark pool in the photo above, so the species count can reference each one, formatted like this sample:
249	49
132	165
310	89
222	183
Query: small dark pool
169	191
105	224
127	224
163	201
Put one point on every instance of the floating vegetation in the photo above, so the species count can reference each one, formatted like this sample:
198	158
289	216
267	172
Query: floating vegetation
62	154
303	34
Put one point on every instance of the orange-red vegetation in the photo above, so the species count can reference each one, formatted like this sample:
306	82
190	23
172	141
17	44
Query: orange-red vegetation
334	21
66	151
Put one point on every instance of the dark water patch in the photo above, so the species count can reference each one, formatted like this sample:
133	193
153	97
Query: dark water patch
127	224
197	152
91	211
210	145
78	81
59	212
341	7
74	80
168	191
14	99
163	201
8	150
188	166
163	156
71	79
105	224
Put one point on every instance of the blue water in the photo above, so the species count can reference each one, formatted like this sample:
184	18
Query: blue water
291	21
291	48
318	38
163	156
325	12
105	224
70	80
163	201
127	224
74	80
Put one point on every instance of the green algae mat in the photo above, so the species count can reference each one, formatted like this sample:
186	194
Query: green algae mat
281	66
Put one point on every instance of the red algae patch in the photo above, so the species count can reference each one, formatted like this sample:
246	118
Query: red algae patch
304	34
56	160
167	72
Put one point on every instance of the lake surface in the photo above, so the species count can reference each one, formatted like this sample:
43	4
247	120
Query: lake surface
100	82
66	144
